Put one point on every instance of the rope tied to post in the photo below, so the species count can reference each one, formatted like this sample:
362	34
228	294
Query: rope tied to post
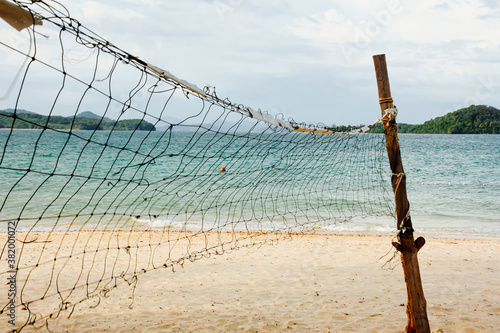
385	100
404	225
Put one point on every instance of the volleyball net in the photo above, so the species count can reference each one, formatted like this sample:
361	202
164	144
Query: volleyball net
127	168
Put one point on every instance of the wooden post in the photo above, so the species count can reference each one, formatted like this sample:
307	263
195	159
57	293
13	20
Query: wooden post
406	245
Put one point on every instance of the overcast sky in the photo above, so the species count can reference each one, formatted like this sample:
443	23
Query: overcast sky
312	60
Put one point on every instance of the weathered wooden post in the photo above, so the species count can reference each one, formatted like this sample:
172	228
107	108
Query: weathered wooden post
406	245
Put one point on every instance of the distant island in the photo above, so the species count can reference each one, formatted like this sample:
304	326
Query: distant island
83	121
476	119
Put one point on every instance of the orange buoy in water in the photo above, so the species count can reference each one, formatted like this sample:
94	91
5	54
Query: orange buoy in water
222	169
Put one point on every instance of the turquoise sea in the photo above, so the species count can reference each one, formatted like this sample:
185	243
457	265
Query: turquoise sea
453	181
453	185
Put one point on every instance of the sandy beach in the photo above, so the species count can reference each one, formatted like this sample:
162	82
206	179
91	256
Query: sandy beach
311	283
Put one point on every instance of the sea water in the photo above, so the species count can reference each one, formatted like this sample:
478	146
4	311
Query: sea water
453	181
453	186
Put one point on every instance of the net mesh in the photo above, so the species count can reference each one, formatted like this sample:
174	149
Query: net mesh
159	172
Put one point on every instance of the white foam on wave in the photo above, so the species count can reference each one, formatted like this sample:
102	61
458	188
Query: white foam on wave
154	222
164	223
438	226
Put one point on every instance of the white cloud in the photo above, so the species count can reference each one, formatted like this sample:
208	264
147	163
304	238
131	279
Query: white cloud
422	22
96	11
312	58
464	20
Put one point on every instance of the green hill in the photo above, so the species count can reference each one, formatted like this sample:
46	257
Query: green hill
476	119
88	114
31	120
